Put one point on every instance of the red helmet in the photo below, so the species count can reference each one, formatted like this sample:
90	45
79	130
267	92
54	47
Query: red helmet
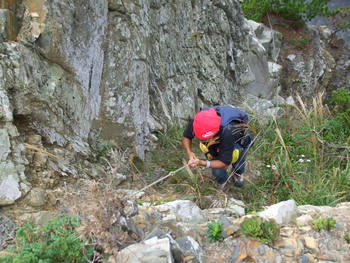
206	124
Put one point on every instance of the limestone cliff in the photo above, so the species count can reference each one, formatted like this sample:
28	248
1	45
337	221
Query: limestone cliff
126	68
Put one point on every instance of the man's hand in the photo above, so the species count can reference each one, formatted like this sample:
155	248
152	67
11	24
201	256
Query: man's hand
193	161
191	158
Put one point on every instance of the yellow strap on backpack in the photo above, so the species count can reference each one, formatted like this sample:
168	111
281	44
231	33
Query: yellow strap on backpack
205	150
235	155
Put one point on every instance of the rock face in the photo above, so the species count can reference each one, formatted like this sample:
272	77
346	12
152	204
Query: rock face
129	68
126	67
166	60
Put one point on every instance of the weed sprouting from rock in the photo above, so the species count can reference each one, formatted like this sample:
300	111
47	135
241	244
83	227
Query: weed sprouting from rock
214	232
323	224
260	229
347	238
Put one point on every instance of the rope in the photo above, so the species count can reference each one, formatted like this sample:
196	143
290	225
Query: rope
161	179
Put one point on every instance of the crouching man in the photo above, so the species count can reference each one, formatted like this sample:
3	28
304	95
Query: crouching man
224	139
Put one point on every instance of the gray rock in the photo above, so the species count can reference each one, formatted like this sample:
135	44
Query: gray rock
118	178
290	101
274	70
304	259
303	220
151	251
9	190
278	100
129	226
37	197
5	106
282	213
12	186
4	144
189	246
291	57
215	213
184	211
4	24
262	107
48	85
7	231
157	232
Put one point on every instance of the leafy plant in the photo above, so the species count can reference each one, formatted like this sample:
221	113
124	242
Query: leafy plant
323	224
260	229
214	232
347	238
57	241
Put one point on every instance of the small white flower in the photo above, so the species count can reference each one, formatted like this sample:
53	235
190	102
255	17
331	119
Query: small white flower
308	160
268	166
300	160
302	156
273	167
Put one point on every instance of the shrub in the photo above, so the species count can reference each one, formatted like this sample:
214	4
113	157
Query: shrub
323	224
214	232
260	229
289	9
339	125
342	19
347	238
102	151
57	241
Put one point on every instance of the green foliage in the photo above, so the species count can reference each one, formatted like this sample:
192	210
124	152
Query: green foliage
347	238
214	232
342	19
300	43
169	154
323	224
289	9
260	229
301	156
57	241
338	128
102	151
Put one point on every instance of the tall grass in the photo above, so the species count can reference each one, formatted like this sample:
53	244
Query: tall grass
297	161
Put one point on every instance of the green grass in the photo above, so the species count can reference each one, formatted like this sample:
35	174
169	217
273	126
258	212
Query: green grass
300	159
304	155
170	156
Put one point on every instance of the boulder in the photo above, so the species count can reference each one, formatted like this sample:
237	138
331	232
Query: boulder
183	210
153	250
282	213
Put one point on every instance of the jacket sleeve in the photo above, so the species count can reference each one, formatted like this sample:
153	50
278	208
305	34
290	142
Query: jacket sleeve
188	132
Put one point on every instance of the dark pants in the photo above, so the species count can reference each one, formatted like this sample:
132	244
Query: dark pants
238	167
